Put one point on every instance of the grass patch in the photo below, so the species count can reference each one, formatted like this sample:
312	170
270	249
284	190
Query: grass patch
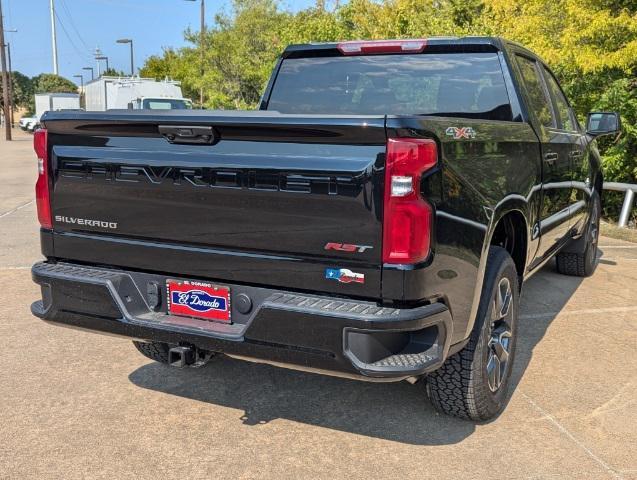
613	231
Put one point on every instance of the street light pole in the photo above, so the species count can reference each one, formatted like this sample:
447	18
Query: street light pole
132	64
91	69
5	80
103	58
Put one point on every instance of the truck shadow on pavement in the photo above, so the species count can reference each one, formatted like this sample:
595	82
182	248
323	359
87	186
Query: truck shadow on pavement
392	411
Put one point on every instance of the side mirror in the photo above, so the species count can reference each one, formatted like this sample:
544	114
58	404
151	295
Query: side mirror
603	123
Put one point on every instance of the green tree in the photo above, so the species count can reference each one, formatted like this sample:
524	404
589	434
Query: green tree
22	90
241	49
49	83
162	66
112	72
182	65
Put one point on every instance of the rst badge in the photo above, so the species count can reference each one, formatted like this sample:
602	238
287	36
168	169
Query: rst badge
346	247
344	275
198	299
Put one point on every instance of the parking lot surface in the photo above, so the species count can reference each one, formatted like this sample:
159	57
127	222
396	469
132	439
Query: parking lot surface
79	405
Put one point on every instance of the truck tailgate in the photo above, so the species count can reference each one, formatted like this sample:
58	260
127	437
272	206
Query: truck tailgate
259	205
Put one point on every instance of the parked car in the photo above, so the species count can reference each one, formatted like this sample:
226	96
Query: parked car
28	123
375	219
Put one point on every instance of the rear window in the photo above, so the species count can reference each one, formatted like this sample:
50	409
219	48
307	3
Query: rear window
451	84
165	104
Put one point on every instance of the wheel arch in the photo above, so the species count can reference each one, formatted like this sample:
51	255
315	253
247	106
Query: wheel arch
516	209
511	232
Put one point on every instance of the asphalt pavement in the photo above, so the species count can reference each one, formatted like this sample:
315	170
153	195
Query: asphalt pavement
75	404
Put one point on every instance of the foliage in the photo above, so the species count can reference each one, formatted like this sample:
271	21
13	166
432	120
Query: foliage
591	45
22	90
50	83
112	72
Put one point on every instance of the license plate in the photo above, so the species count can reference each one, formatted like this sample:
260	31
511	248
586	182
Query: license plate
199	300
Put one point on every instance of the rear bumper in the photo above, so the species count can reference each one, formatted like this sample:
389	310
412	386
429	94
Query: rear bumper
337	336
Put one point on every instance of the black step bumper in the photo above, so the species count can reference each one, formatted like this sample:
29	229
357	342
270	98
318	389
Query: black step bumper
342	337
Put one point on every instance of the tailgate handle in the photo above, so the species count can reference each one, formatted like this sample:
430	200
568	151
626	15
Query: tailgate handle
188	134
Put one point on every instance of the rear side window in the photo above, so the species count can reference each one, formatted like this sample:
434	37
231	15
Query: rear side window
538	100
451	84
564	114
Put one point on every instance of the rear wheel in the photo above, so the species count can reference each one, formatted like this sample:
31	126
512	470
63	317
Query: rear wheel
154	350
583	263
473	383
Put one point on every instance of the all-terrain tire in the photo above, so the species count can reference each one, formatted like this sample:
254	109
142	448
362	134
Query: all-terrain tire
583	263
461	387
154	350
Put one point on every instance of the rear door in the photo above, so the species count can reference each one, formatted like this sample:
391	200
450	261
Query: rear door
556	147
569	129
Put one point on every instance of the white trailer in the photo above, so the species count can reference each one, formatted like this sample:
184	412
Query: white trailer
106	93
55	101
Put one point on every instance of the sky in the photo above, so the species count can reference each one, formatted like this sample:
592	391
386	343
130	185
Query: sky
83	25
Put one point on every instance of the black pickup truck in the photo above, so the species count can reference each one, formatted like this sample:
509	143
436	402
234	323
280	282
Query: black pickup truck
374	219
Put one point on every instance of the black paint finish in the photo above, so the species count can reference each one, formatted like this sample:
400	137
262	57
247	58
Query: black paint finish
257	204
240	209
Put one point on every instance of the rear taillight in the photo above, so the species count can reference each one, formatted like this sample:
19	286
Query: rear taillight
381	46
407	216
42	198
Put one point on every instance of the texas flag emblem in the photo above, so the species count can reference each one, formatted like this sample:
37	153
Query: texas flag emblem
344	275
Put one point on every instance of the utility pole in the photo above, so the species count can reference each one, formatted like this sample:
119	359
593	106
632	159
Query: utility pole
10	84
54	43
11	103
201	39
5	81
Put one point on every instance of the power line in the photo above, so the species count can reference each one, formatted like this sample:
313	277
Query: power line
66	33
77	32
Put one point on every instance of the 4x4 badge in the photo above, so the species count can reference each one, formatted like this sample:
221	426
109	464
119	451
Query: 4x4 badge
460	132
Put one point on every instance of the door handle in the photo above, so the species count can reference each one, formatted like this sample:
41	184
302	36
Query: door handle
550	158
188	134
576	154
